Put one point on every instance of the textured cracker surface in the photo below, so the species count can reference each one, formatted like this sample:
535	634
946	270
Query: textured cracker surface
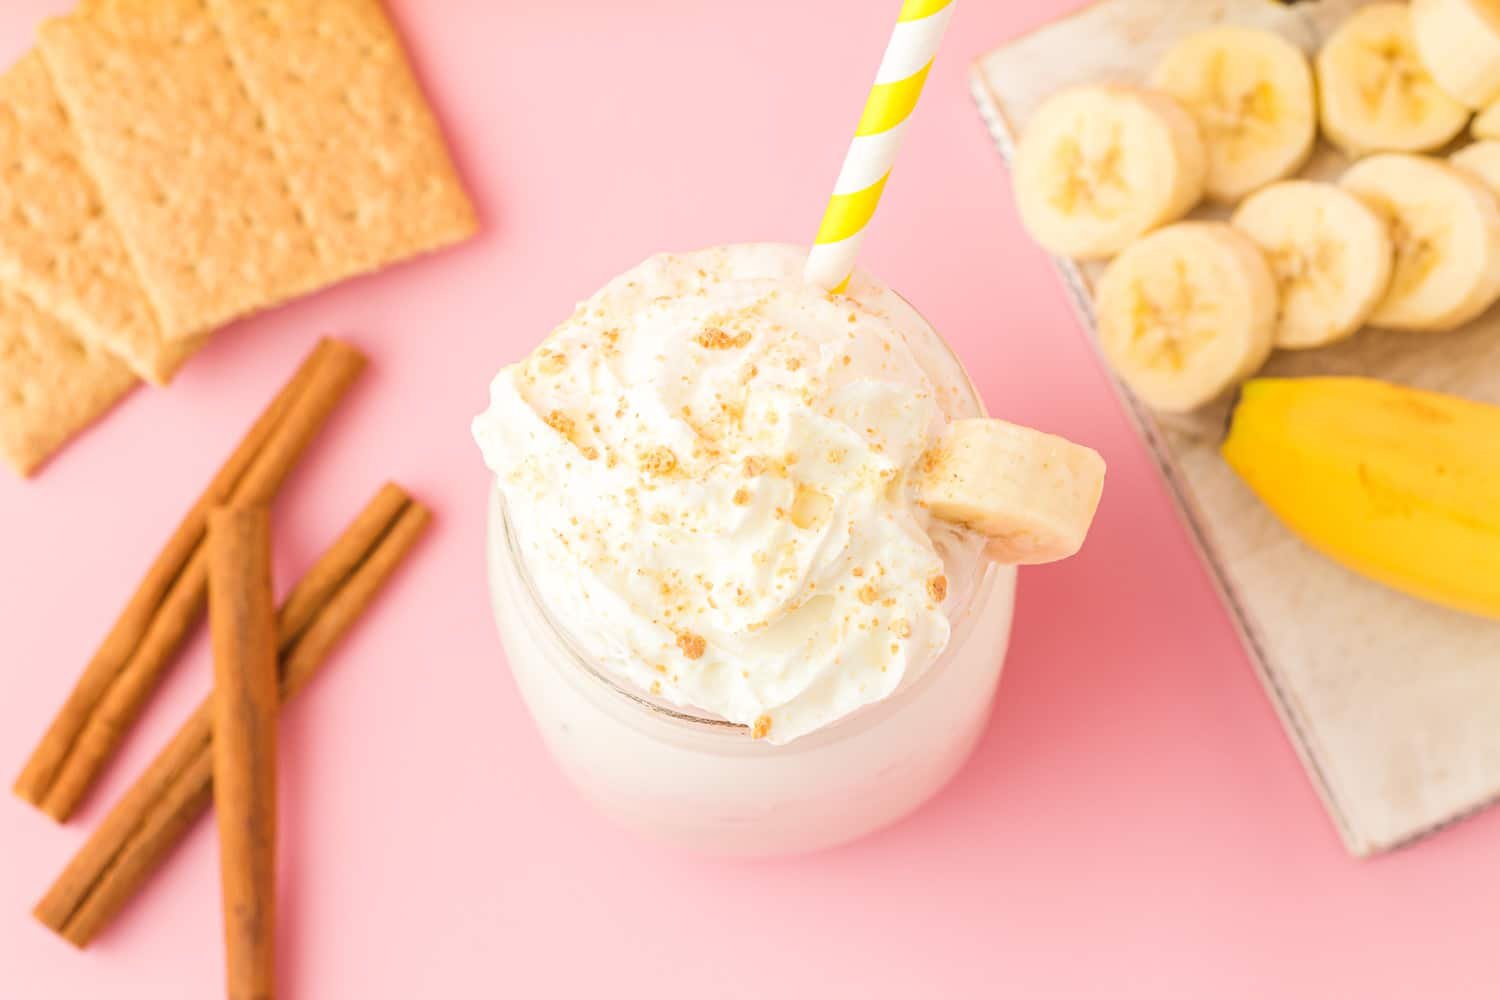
58	244
364	155
52	384
182	159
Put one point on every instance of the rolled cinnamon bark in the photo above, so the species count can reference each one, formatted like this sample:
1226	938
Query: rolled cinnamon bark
242	620
141	830
108	697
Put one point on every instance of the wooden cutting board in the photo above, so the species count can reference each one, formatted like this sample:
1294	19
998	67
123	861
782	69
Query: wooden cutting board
1393	704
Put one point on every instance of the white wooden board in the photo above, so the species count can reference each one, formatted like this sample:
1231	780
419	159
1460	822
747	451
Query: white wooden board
1394	704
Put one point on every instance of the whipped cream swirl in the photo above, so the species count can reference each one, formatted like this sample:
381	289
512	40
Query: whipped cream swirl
708	467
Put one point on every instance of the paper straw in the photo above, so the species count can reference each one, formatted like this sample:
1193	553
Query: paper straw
898	84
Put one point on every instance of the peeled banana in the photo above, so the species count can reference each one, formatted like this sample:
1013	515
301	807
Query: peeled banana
1251	93
1374	91
1330	253
1099	166
1459	41
1033	494
1445	227
1187	312
1395	483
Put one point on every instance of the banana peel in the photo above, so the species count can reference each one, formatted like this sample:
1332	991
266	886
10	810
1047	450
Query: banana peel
1398	484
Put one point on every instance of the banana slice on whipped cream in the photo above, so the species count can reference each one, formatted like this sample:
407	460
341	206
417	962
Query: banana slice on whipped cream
1032	494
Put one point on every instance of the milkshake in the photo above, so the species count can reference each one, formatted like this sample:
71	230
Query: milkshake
737	624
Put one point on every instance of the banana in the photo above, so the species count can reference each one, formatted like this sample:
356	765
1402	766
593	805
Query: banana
1482	159
1187	312
1398	484
1459	41
1032	494
1374	94
1445	228
1251	93
1330	254
1099	166
1486	124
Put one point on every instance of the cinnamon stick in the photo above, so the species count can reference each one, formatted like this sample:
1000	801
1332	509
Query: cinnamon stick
169	601
152	817
242	621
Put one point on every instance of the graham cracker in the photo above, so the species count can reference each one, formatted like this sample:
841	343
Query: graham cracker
364	156
183	160
58	243
52	383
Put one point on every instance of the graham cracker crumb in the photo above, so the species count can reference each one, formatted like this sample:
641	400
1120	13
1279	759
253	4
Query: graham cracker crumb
741	497
761	728
715	339
937	588
902	628
809	506
692	645
561	422
659	461
868	593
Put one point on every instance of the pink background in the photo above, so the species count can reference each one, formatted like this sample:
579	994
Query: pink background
1134	823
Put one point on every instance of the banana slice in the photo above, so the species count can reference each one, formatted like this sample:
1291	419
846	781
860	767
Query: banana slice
1482	159
1374	94
1459	41
1033	494
1187	312
1251	93
1330	253
1486	124
1099	166
1445	228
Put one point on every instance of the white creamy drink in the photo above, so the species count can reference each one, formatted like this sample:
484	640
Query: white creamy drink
709	560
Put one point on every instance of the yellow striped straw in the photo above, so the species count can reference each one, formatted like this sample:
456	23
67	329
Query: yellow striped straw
903	71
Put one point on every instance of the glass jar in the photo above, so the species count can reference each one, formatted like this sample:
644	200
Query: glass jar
704	784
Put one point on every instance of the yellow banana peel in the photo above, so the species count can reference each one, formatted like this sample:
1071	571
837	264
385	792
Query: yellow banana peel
1399	484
